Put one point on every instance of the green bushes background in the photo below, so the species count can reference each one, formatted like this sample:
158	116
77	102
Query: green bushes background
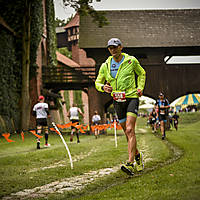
11	54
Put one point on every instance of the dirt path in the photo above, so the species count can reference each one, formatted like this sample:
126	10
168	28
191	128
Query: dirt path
68	184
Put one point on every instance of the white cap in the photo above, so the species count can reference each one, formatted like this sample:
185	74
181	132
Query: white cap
114	42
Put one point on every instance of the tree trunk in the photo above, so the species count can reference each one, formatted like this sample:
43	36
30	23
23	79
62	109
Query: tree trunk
25	96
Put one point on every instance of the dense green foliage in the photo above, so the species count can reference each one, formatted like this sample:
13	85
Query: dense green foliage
66	97
12	13
83	7
60	22
9	80
65	52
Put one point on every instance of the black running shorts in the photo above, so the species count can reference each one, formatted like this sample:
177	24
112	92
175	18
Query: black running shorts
74	121
41	122
129	107
162	117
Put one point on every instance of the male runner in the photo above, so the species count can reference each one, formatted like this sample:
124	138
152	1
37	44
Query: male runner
152	120
162	105
73	114
40	111
117	77
175	119
96	121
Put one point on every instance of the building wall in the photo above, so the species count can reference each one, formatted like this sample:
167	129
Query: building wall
85	106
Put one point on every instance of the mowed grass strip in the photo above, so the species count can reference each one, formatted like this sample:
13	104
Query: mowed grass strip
179	180
19	158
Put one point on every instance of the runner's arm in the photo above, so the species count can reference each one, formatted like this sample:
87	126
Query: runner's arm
34	112
79	110
141	76
68	114
99	83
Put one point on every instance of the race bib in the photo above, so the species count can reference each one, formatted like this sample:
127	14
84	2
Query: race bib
162	112
119	96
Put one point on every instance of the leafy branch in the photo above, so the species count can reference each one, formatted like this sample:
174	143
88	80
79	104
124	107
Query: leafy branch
84	8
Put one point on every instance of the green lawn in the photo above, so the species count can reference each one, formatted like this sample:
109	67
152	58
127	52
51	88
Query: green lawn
166	176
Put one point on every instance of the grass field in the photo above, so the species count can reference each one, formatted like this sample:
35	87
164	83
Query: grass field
171	166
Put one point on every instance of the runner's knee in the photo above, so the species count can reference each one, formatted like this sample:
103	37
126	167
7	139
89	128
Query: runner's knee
46	129
130	131
39	129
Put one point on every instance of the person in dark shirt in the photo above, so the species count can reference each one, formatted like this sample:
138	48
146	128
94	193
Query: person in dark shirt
162	105
152	120
175	119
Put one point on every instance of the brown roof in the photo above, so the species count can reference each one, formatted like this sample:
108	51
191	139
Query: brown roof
74	22
65	60
143	28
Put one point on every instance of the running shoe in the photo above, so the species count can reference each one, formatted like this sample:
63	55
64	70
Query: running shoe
38	145
139	164
128	168
47	145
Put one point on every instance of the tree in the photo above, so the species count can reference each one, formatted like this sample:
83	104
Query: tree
65	52
60	22
25	96
84	8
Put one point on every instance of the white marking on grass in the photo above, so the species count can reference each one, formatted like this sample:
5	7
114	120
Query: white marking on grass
142	130
67	184
143	147
63	162
73	183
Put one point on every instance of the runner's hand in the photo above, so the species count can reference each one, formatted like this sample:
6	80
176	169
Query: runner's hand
107	88
139	92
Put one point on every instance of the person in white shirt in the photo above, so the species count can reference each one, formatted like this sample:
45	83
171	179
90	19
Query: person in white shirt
41	112
96	121
73	114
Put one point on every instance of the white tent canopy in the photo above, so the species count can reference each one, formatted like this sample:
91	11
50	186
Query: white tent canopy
146	106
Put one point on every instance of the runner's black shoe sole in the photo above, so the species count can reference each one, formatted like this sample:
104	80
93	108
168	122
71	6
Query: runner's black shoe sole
38	145
127	171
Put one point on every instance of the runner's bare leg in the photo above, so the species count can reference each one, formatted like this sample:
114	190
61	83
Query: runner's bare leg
129	130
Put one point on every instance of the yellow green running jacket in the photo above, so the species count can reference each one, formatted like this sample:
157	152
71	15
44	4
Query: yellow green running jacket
125	80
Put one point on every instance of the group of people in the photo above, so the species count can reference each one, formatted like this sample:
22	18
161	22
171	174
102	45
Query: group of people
122	76
159	117
41	112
